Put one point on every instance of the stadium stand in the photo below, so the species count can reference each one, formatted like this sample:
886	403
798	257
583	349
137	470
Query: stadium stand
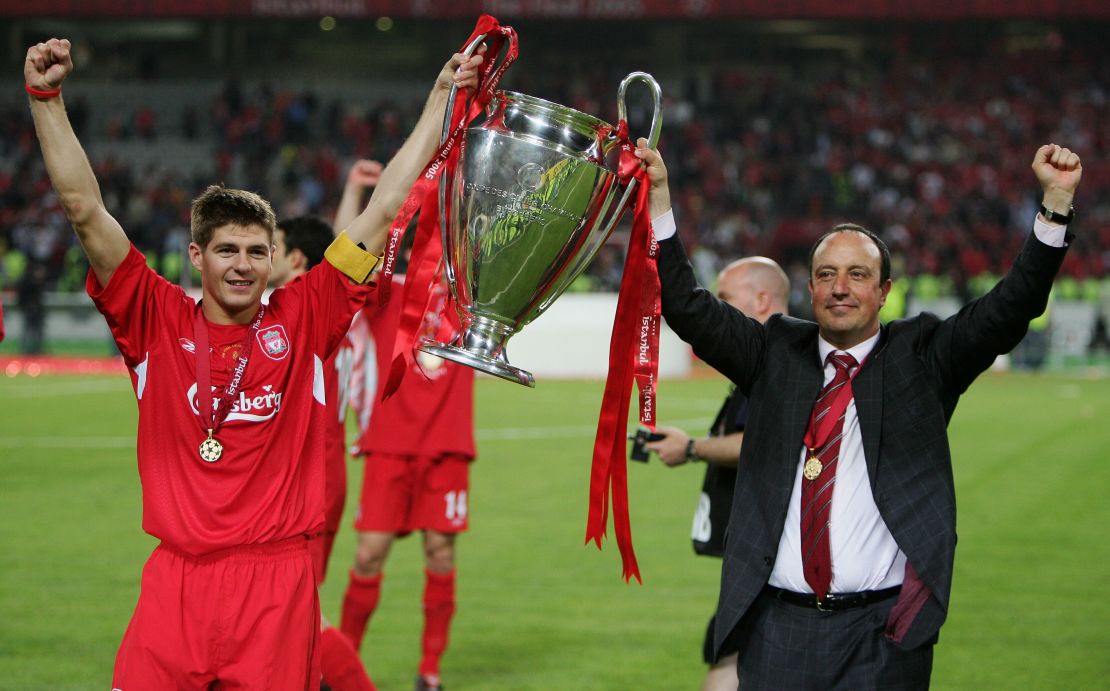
920	133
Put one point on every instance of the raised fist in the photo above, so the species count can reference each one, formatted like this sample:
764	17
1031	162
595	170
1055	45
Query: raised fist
1057	169
365	173
48	64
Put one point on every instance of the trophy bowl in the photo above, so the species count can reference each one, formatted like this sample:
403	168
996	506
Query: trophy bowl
533	198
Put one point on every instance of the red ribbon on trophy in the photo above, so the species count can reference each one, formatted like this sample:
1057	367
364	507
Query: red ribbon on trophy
420	302
424	264
633	355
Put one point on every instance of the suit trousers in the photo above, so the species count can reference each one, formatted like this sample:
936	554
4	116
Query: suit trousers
786	647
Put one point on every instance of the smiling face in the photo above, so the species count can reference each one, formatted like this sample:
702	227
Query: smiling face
847	289
234	266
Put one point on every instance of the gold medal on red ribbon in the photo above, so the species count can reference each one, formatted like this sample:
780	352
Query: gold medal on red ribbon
211	449
213	412
813	468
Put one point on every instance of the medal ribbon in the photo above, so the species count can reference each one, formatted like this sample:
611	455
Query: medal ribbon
818	432
428	244
212	417
633	354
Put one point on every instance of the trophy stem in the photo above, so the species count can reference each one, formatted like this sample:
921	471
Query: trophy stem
496	367
484	336
481	345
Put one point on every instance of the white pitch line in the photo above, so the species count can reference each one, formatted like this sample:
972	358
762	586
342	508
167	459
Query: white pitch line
44	389
556	432
513	433
67	442
492	434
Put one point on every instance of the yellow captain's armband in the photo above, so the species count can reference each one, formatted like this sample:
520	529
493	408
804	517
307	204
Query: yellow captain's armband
352	261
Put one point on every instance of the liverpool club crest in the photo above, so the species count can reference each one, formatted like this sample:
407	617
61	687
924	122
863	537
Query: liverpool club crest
274	342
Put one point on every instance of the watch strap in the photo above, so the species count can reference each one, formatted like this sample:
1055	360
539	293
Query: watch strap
1057	217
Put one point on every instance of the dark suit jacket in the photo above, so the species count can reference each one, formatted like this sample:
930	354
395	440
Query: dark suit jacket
905	395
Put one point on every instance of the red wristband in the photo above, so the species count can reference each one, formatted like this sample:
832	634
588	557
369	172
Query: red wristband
43	93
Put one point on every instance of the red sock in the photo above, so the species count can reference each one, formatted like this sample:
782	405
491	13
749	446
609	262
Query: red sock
342	668
358	604
439	607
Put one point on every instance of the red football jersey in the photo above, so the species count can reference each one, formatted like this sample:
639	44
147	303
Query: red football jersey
269	483
432	412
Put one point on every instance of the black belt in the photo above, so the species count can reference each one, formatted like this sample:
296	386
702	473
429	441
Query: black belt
833	602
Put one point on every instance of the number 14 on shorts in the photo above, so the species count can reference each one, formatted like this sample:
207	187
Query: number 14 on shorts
455	509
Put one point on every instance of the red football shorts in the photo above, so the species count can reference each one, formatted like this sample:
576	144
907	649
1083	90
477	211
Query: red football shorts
402	494
246	617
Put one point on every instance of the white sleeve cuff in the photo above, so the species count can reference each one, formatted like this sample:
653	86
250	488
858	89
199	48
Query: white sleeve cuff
664	226
1049	233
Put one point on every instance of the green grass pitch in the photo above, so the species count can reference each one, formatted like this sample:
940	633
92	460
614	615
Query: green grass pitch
537	608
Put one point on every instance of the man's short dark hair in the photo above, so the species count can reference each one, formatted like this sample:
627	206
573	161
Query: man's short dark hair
884	251
308	234
219	206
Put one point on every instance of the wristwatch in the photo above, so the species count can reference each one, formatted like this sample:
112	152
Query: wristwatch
691	453
1057	217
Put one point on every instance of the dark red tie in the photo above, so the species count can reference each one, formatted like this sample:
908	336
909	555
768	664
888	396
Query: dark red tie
819	474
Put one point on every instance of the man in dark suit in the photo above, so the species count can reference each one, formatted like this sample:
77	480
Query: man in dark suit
838	562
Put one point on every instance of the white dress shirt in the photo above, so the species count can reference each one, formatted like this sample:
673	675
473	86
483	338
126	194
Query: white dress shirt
864	553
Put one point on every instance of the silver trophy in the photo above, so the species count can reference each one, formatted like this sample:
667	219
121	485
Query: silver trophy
535	196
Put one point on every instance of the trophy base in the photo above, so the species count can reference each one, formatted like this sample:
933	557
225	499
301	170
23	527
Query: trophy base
497	368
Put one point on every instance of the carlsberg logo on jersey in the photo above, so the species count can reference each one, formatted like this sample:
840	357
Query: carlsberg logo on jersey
252	406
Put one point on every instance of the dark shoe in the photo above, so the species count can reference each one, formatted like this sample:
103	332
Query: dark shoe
427	683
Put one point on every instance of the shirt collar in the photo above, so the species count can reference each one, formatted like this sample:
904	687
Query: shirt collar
860	351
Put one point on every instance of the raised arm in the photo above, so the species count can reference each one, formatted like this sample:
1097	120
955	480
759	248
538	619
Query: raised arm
659	196
721	335
105	244
966	343
372	225
362	176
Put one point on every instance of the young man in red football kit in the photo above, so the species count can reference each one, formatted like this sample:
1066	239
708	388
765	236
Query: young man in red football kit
231	409
418	445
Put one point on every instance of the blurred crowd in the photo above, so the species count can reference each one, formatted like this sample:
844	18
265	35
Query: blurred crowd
932	152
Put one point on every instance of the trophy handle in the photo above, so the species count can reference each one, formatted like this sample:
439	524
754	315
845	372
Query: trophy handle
468	51
443	178
612	213
657	101
653	133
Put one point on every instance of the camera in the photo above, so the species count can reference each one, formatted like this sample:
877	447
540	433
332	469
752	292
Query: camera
642	436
